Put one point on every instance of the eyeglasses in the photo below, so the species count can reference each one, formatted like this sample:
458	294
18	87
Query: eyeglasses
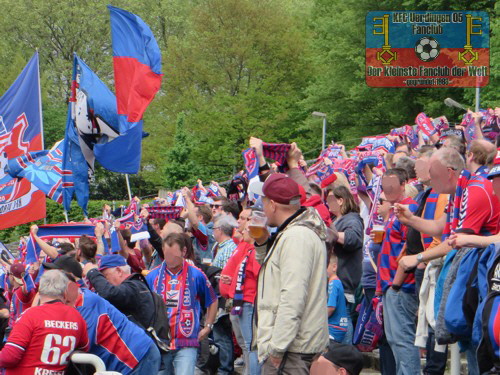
215	205
381	200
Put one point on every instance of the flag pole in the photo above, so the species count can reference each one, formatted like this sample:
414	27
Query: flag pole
66	216
40	100
128	187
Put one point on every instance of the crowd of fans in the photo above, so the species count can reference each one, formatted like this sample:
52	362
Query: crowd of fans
390	247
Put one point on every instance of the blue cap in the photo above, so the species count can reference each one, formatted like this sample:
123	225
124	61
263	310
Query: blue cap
110	261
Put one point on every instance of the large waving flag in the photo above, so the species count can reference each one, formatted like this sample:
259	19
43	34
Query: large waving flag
20	132
137	64
137	68
44	170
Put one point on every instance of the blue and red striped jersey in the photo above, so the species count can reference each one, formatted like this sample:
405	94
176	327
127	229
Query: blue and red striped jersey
184	308
394	240
120	343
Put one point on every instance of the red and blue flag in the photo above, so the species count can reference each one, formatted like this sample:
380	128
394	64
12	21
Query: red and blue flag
20	132
44	170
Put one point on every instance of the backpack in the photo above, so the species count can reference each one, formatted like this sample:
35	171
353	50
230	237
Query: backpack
459	319
159	327
488	315
369	327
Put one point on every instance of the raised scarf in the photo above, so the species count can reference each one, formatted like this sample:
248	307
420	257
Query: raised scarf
275	151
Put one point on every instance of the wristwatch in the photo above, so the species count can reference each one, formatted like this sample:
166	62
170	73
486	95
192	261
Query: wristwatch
420	258
210	325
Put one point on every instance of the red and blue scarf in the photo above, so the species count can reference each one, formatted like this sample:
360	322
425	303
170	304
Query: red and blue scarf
175	291
274	151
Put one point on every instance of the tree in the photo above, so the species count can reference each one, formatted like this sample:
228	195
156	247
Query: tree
180	168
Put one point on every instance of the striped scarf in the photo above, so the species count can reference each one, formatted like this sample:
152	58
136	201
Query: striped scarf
173	293
374	194
460	200
240	280
167	213
274	151
429	214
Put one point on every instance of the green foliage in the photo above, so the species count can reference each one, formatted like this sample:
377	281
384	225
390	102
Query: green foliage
234	69
180	169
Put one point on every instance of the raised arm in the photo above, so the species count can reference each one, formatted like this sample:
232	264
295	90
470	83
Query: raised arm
51	251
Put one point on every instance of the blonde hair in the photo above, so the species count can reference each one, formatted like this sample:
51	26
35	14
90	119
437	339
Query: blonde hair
411	191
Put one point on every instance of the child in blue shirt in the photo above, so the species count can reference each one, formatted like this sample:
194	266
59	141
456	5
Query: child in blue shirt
337	312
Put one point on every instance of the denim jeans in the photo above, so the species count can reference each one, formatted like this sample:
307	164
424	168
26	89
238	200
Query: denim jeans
350	329
150	363
223	338
242	327
179	362
400	310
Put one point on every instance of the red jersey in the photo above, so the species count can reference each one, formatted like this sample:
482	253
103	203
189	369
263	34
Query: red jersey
479	211
43	339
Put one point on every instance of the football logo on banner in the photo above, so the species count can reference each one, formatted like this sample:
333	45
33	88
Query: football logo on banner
427	49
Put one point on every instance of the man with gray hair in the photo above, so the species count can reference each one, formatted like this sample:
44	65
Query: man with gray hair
129	293
45	336
223	233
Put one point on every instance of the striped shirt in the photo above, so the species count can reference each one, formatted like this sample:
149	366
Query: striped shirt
394	240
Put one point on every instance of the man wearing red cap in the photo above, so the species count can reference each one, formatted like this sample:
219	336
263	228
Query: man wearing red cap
291	315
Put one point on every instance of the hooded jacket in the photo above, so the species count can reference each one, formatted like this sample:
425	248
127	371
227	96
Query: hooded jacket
290	306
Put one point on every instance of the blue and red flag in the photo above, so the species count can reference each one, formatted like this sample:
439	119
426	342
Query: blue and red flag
44	170
20	132
137	68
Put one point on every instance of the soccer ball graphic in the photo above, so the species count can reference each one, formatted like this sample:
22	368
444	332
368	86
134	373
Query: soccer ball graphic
427	48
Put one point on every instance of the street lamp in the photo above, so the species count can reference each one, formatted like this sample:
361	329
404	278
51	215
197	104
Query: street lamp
321	114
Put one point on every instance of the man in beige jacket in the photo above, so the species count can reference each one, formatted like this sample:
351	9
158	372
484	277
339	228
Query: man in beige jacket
290	321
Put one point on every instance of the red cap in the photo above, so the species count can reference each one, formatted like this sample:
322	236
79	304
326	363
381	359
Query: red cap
17	270
282	189
329	180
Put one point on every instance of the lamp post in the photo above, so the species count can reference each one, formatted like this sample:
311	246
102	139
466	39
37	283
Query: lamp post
323	115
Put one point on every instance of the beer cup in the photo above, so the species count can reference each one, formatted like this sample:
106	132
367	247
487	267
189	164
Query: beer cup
257	226
378	232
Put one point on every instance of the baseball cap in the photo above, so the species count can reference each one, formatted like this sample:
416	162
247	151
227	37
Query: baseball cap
278	187
346	356
495	170
17	270
111	261
66	263
329	180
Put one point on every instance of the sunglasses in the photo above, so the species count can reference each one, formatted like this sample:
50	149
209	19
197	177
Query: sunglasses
381	200
215	205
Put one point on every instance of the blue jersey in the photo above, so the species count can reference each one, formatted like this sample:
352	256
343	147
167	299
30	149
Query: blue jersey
184	307
337	322
120	343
